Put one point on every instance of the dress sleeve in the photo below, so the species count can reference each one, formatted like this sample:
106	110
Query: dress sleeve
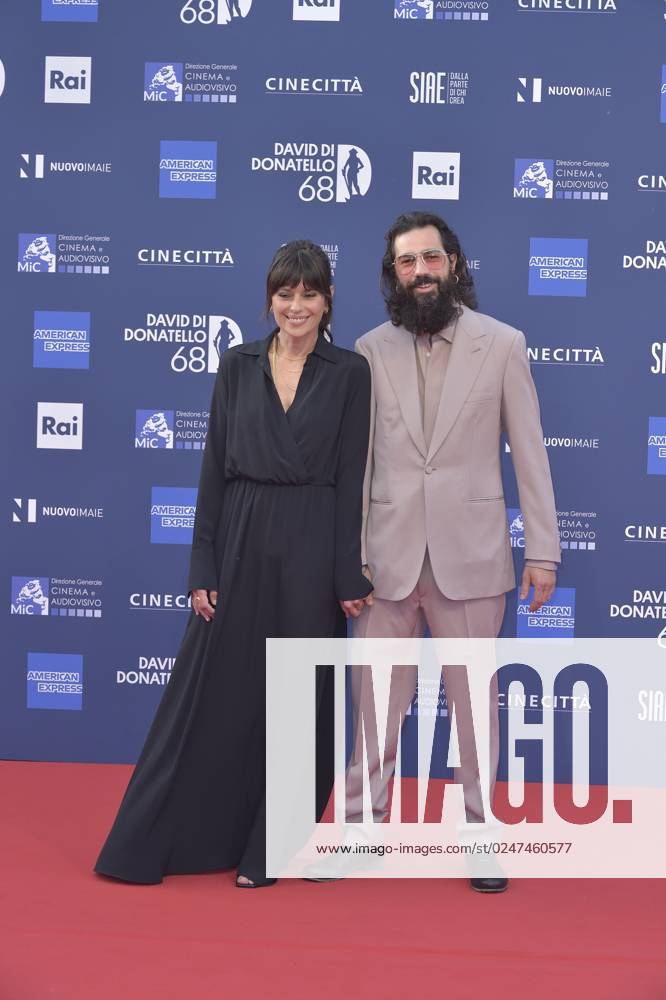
203	571
350	583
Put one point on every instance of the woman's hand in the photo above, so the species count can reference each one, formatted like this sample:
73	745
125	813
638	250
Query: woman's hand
203	603
352	609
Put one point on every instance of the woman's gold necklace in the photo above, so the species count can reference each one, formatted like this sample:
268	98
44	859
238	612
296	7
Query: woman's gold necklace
283	374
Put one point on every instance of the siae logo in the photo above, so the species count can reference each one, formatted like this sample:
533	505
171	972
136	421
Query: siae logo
67	79
436	176
214	11
35	253
533	179
60	425
154	429
316	10
163	82
529	90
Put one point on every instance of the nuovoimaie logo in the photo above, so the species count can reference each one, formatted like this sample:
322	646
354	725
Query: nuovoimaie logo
30	595
172	510
188	169
70	10
558	267
36	252
154	429
163	82
555	620
656	462
533	179
61	340
55	680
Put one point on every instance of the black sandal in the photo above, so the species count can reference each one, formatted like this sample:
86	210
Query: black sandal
253	883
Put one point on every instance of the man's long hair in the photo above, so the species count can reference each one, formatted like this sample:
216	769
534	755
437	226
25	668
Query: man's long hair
464	291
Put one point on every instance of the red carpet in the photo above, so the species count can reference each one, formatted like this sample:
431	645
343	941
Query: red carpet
68	935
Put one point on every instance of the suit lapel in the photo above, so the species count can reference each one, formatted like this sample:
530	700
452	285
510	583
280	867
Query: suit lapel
468	352
400	362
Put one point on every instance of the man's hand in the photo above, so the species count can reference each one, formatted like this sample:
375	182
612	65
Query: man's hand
204	605
543	581
352	609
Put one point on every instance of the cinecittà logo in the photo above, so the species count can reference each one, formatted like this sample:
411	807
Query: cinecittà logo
146	601
651	182
645	533
330	172
570	6
165	257
317	85
576	356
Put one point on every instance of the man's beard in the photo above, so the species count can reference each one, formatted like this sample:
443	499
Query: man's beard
424	313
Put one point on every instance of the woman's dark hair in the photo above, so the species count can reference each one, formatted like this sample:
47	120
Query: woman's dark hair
302	260
463	291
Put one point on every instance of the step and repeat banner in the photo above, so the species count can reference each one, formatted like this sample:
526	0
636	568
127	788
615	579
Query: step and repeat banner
154	156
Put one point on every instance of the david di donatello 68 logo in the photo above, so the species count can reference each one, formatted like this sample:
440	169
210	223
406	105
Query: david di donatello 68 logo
327	172
214	11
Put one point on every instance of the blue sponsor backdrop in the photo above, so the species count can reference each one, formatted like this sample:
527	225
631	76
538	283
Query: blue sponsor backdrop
156	154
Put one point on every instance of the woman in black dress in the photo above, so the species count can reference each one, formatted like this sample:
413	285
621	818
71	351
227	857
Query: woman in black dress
276	553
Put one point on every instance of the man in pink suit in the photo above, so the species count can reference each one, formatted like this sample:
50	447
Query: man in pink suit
447	381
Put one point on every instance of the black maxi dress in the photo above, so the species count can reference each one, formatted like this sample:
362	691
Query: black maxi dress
277	534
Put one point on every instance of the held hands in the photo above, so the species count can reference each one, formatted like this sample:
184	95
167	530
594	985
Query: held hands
203	603
543	581
352	609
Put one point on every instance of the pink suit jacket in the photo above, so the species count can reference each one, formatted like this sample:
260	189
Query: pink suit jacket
449	497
